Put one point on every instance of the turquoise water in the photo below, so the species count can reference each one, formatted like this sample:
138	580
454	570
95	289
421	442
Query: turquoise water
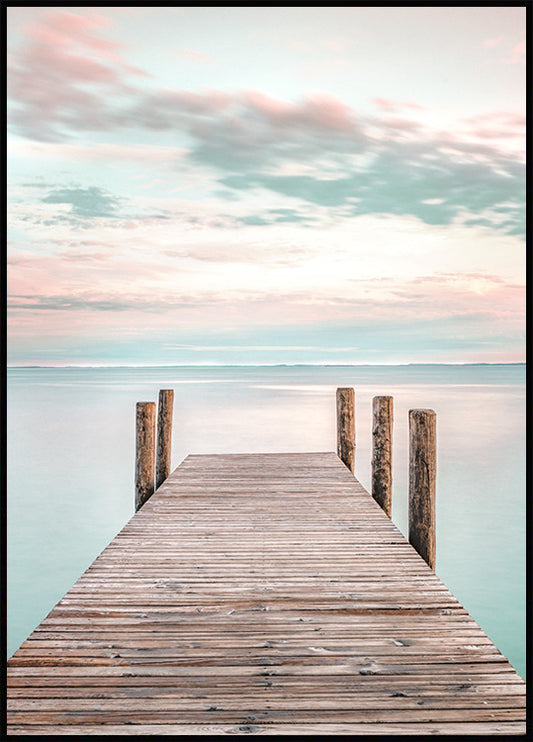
71	465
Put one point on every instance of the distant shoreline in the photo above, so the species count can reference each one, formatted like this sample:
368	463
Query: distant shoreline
260	365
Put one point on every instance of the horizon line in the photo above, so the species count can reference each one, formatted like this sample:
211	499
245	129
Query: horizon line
269	365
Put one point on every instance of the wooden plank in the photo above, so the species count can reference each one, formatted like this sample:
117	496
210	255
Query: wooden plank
261	714
456	728
261	594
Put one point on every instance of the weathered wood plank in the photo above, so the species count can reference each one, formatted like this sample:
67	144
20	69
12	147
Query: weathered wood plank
458	728
263	715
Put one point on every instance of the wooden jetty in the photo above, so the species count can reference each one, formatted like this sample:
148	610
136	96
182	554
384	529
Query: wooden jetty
261	594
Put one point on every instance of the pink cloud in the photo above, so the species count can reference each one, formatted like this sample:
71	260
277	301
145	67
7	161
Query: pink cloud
59	74
63	26
80	82
329	113
272	108
321	111
70	30
214	115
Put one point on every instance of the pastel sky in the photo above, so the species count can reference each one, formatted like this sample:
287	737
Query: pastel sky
277	185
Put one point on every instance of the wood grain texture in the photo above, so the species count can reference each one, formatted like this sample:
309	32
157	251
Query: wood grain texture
145	432
261	594
345	403
382	421
165	409
422	480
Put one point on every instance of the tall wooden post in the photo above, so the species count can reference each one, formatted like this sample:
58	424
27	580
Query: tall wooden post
382	418
144	452
346	426
422	476
164	435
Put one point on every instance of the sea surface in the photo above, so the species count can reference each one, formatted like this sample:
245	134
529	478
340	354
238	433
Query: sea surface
71	448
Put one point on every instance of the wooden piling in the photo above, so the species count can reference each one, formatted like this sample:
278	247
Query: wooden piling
164	436
382	419
144	452
346	426
422	475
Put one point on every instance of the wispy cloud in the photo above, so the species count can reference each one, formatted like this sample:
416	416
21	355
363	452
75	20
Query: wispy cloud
431	297
476	316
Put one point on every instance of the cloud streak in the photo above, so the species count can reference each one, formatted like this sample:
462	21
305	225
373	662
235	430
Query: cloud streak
474	317
477	295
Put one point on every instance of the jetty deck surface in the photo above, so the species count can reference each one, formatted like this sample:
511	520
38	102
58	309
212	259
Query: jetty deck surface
268	594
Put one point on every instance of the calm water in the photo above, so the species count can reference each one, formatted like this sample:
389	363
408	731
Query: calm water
71	465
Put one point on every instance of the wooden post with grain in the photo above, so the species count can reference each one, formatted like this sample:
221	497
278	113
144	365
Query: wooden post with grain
164	436
144	452
346	426
422	476
382	418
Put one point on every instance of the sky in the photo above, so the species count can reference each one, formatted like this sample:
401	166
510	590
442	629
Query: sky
266	185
